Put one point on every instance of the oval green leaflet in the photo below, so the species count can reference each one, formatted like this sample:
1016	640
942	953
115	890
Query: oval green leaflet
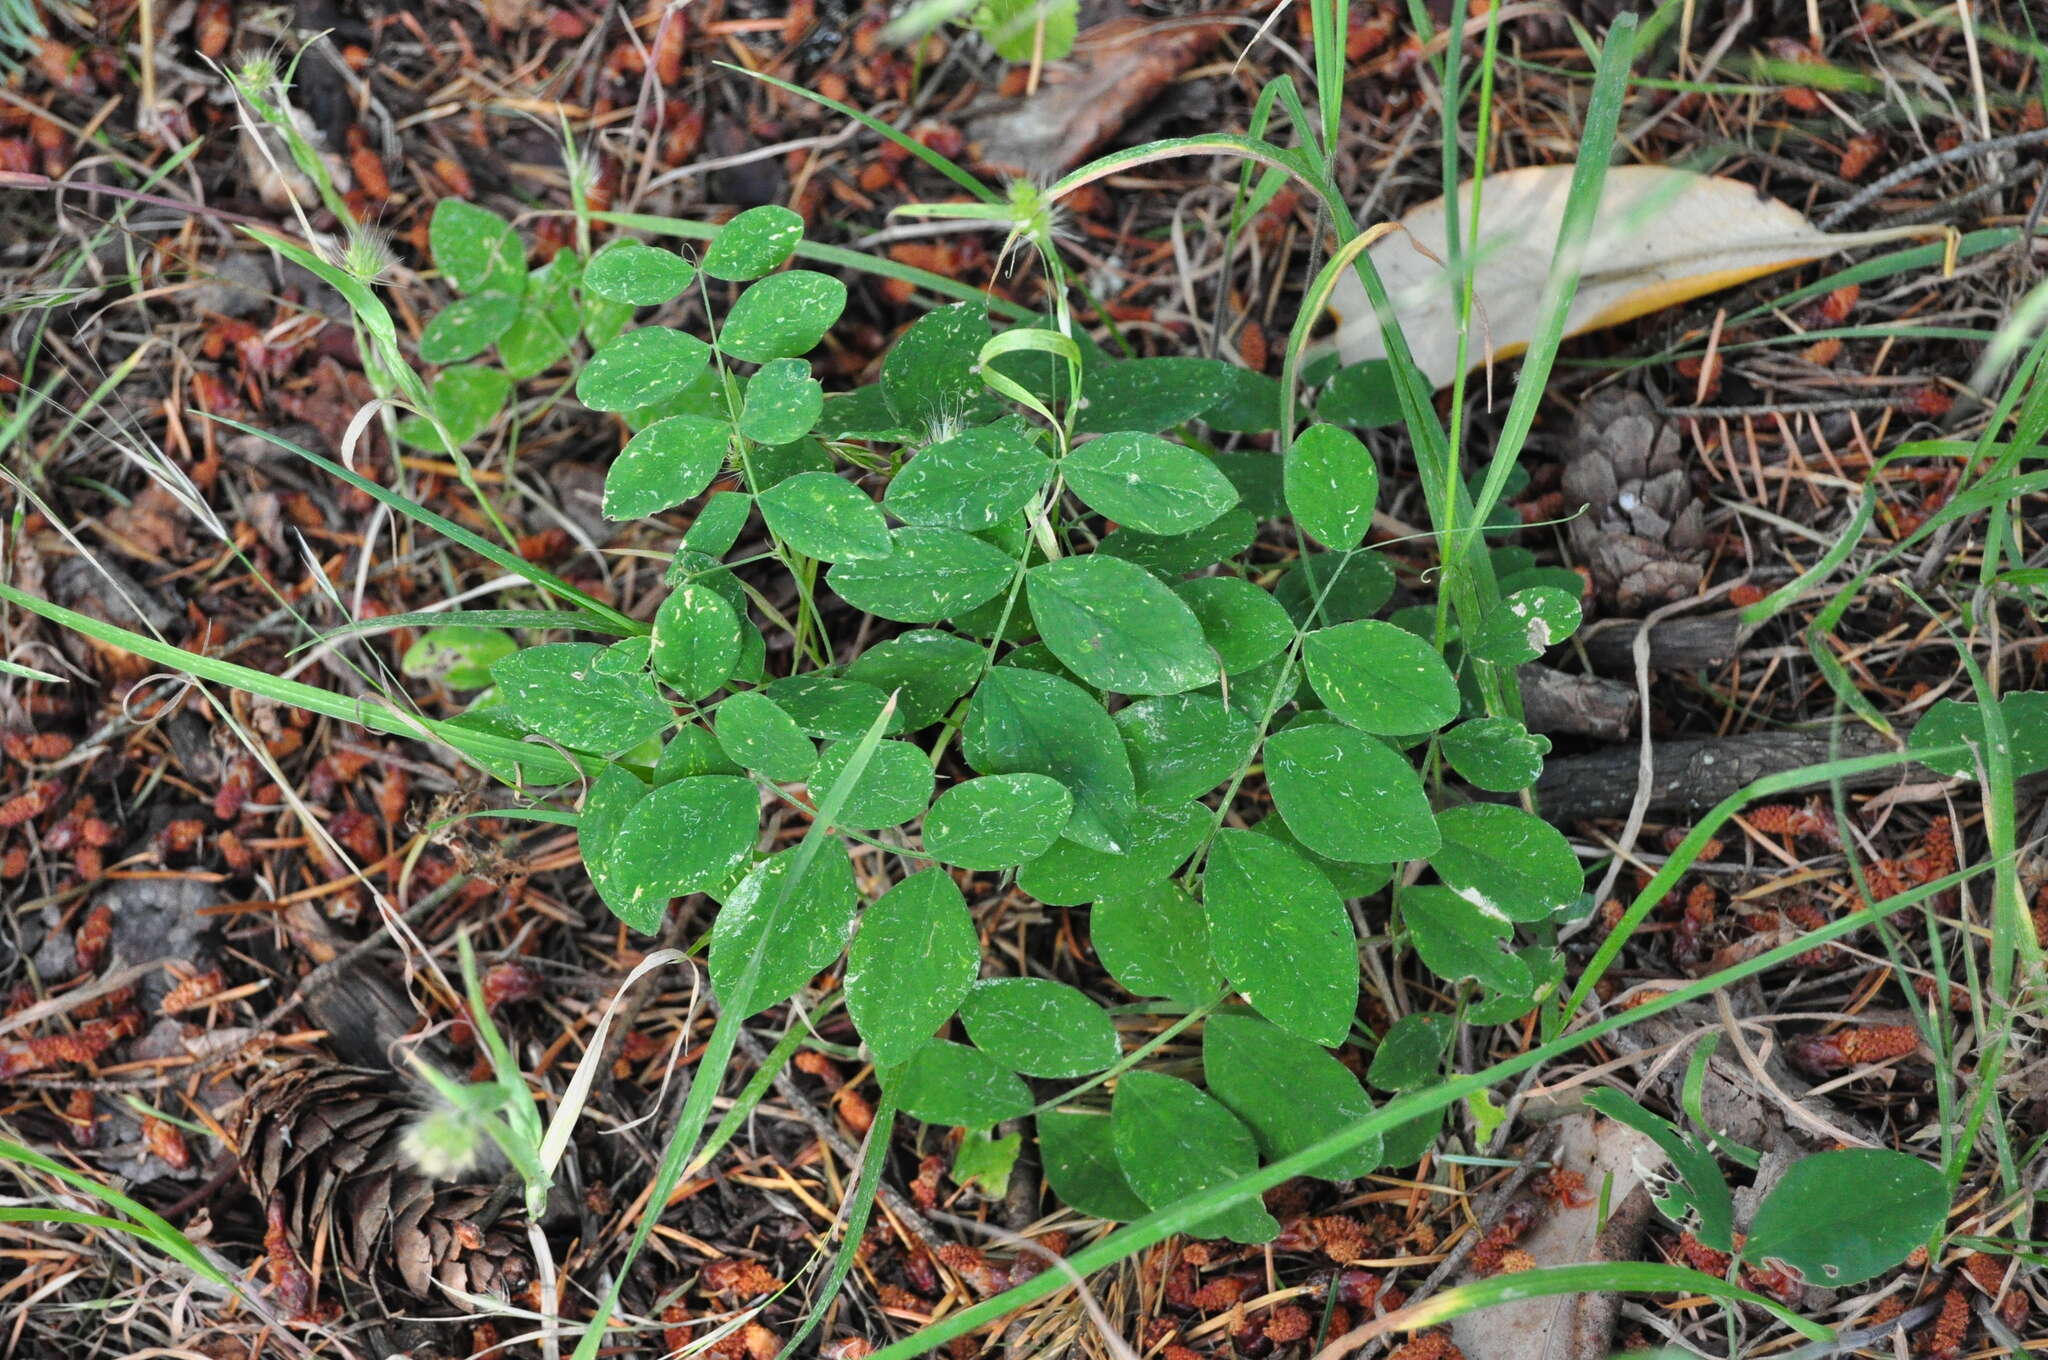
1039	1027
1289	1092
1502	859
476	249
949	1083
795	929
911	964
1331	486
822	515
782	316
640	368
664	465
696	640
1149	483
1172	1140
997	821
467	327
972	481
559	691
895	787
928	575
637	274
1154	940
1281	935
753	243
1524	626
755	732
1348	795
1381	678
1118	627
783	402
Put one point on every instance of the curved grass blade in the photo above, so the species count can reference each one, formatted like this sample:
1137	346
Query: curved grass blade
542	764
447	528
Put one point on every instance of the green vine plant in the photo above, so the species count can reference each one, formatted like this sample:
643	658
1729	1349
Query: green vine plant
1037	638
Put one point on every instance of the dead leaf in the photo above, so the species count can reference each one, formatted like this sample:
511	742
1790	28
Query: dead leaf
1116	69
1662	236
1575	1326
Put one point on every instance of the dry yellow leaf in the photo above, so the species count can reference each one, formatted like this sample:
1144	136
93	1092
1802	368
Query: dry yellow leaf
1661	237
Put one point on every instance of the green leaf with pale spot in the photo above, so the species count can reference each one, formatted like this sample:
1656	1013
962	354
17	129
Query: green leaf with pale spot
475	249
1503	859
1457	940
822	515
1362	396
911	964
1842	1217
1280	933
547	322
1031	723
559	691
782	316
690	835
1496	754
930	375
637	274
1151	484
664	465
1160	839
925	669
459	656
696	640
783	402
997	821
754	732
1079	1159
972	481
467	327
1029	30
1332	486
756	241
827	705
805	936
1524	626
718	523
949	1083
1183	745
1348	795
1172	1141
1291	1093
1245	625
1118	627
465	398
929	575
1150	394
896	786
1154	940
640	368
1039	1027
1380	678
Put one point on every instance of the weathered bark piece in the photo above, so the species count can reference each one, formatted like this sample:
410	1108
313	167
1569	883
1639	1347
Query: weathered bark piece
1559	703
1689	777
1697	642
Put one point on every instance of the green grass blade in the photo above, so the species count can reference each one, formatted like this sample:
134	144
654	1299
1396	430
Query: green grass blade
147	1222
472	618
945	166
447	528
1635	1277
872	1163
542	764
